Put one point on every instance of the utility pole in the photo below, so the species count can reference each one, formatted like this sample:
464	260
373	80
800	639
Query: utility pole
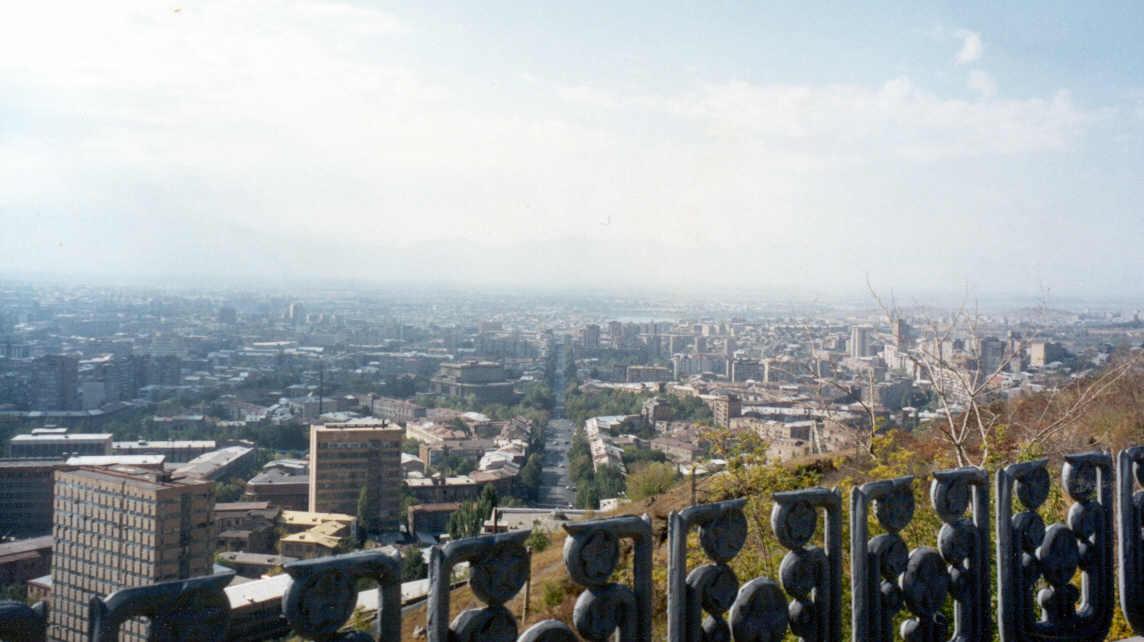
527	585
693	484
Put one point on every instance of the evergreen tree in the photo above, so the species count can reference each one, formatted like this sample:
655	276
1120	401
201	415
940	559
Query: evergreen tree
367	511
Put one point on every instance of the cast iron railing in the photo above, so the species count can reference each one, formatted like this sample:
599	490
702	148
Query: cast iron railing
1054	582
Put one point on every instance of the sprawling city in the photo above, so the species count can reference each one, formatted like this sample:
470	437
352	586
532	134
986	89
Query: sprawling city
264	429
501	321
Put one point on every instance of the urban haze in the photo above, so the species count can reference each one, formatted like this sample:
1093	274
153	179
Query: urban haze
328	319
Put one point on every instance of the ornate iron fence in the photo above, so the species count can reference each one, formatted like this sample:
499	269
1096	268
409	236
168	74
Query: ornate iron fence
1037	567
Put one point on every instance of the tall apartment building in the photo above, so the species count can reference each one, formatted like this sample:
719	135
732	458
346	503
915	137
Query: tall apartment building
747	369
485	381
725	408
118	528
55	383
1042	353
590	336
903	336
860	341
347	457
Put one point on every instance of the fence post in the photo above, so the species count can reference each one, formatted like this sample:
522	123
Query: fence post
1028	551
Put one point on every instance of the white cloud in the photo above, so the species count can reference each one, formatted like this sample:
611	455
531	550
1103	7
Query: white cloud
971	47
151	133
982	83
821	125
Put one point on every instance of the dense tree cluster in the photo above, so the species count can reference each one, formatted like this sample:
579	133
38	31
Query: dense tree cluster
413	566
650	479
580	406
530	477
469	519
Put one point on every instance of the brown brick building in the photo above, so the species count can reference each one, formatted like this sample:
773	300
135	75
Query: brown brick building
347	457
116	528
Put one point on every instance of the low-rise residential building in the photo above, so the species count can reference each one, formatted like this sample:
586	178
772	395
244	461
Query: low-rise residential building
25	559
396	410
315	534
176	451
458	488
26	496
646	374
217	464
430	519
288	488
677	450
246	526
59	446
483	381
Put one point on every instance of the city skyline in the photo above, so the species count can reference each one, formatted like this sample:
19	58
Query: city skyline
595	147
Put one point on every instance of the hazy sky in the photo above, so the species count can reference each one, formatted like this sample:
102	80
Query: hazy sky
747	144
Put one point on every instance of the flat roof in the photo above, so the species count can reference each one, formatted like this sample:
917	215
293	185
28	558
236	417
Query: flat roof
211	462
440	506
31	463
144	479
111	460
307	518
357	424
279	478
143	443
23	546
61	439
240	557
240	506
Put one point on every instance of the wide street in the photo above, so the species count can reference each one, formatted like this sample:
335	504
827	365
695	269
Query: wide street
554	490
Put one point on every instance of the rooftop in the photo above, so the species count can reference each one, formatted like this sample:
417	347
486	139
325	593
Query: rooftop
9	551
143	443
307	518
113	460
54	438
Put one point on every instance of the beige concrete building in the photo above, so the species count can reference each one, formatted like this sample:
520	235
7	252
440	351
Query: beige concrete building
117	528
347	457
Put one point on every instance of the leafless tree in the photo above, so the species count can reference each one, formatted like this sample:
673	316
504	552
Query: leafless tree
969	423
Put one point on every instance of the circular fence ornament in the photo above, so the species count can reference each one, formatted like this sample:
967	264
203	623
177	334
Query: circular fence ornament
490	624
1033	488
759	613
950	499
549	631
599	611
794	523
925	584
716	585
320	604
1080	480
498	576
197	616
723	537
590	560
895	510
